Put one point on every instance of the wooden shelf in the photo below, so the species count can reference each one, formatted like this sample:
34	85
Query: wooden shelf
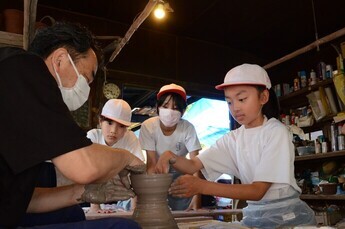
299	98
322	197
320	156
318	125
11	39
306	90
19	40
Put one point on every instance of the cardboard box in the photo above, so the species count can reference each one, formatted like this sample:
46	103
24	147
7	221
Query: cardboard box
325	218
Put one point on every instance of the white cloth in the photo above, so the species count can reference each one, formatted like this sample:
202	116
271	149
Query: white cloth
265	153
128	142
181	142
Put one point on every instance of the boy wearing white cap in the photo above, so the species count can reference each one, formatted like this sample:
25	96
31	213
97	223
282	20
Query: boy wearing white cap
168	132
260	153
114	122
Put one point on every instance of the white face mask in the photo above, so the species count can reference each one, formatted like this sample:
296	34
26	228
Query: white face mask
76	96
169	117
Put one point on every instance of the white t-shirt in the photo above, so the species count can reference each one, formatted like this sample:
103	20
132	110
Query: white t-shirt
181	142
128	142
265	153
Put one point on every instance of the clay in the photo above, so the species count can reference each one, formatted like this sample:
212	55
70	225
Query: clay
110	191
152	210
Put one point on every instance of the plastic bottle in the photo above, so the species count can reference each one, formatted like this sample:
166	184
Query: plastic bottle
317	146
312	77
296	84
303	79
334	144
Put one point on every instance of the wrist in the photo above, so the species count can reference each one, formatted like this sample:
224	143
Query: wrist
78	190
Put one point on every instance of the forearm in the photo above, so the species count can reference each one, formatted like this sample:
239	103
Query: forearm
254	191
107	161
50	199
97	162
184	165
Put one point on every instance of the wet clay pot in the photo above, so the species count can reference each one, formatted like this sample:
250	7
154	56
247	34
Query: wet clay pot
152	210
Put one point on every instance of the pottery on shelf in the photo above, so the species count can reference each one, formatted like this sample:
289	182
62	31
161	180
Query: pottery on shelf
152	210
13	20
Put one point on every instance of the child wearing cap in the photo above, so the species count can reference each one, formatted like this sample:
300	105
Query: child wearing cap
114	122
168	132
260	153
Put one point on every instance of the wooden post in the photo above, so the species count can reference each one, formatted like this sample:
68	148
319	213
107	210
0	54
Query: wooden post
307	48
140	19
30	8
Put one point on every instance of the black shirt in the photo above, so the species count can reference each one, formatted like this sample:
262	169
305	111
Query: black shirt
36	126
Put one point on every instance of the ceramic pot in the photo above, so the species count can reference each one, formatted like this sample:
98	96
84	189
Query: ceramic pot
152	210
13	20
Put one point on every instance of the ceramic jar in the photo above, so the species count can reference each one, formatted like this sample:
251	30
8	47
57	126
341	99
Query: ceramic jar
152	210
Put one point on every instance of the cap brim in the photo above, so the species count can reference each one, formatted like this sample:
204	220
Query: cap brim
222	86
119	121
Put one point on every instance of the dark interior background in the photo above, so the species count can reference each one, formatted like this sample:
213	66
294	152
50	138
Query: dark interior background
201	40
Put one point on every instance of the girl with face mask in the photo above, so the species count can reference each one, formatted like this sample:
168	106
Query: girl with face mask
168	132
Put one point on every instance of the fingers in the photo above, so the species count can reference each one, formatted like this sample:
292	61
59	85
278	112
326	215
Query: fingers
137	166
177	189
136	169
161	168
120	194
113	190
168	158
183	186
93	197
125	181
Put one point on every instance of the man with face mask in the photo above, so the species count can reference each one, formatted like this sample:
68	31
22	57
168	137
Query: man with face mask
168	132
38	89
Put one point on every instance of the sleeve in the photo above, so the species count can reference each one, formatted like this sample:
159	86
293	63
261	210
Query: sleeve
192	140
219	159
92	135
146	136
278	156
39	125
134	146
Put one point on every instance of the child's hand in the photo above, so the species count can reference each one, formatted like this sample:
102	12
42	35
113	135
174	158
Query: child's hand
185	186
165	160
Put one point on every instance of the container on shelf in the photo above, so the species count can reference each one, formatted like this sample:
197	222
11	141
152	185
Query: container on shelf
13	20
341	142
329	188
305	150
313	79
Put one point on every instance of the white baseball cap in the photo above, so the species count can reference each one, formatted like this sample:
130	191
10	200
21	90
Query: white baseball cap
251	74
118	110
172	88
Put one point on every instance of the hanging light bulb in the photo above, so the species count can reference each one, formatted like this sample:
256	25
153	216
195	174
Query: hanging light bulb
159	11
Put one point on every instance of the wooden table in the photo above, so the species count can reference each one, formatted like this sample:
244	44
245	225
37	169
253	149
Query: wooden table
177	214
